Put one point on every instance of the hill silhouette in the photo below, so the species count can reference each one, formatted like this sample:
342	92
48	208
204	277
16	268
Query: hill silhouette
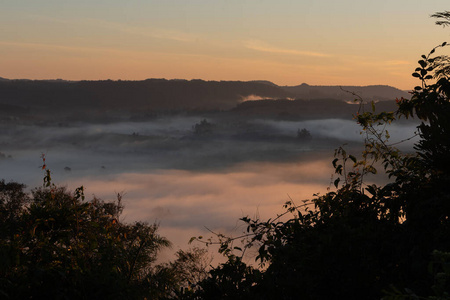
369	93
90	100
304	109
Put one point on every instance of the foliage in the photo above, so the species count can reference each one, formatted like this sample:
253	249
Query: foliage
361	239
56	245
190	267
203	128
303	134
182	275
439	268
444	18
231	280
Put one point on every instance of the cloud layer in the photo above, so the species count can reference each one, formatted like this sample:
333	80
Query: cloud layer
183	182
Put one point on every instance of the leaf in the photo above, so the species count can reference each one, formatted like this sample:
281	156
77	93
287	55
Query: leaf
335	161
415	74
336	182
371	189
352	158
371	169
443	44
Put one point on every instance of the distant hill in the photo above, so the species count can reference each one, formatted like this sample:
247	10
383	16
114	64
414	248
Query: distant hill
99	99
264	82
116	97
368	93
304	109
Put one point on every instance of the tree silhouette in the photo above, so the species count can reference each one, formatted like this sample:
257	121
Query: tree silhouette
365	241
56	245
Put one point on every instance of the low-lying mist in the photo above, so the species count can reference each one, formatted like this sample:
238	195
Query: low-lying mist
186	172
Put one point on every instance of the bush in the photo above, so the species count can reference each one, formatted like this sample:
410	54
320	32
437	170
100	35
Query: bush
56	245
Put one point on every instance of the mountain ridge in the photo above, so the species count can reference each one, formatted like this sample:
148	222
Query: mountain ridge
97	98
303	91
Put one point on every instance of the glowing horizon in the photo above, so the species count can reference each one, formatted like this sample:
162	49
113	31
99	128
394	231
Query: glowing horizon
288	43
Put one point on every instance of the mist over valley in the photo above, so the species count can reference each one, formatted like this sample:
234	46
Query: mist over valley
187	154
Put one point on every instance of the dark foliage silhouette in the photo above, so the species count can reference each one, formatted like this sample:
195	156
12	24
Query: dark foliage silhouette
361	240
56	245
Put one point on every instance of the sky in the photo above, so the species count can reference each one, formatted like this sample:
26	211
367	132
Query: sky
288	42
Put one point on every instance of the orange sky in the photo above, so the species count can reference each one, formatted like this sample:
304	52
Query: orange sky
320	42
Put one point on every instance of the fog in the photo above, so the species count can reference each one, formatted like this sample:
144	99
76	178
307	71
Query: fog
182	179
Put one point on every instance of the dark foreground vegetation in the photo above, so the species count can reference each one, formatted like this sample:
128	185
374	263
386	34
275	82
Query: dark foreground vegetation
359	241
56	245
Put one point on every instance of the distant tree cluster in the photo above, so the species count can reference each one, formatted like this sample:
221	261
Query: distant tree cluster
304	134
203	128
4	156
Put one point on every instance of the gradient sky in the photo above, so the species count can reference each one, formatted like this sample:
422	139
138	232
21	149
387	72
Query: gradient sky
320	42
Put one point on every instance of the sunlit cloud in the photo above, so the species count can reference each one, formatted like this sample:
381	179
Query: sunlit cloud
370	61
264	47
397	62
145	31
52	47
